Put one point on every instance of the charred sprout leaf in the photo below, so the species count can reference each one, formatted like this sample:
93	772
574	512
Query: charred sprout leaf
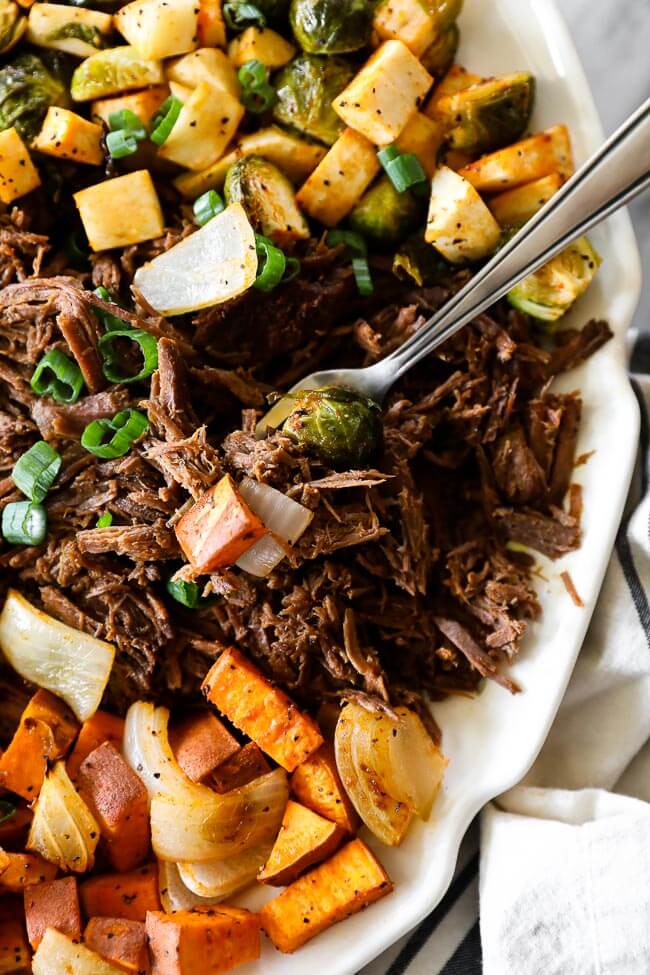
420	262
437	58
305	91
338	425
27	89
383	214
267	196
331	27
81	32
490	115
239	14
12	25
548	294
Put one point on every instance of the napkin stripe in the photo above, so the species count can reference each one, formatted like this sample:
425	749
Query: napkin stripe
468	958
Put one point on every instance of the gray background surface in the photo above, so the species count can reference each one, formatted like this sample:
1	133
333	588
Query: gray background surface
613	40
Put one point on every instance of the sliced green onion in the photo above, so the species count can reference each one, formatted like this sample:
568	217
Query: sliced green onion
76	248
388	154
148	346
273	264
253	74
403	169
362	276
292	269
258	100
238	16
24	523
110	322
105	520
129	122
7	810
35	472
165	119
186	593
121	144
207	206
352	240
57	376
109	439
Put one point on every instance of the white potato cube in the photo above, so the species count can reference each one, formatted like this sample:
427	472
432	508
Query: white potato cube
144	104
408	21
522	162
460	225
206	64
205	126
260	44
340	179
382	97
423	137
74	30
182	92
159	28
18	175
66	135
121	211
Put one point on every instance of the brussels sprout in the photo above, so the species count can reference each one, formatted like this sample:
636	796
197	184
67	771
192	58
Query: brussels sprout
383	214
438	58
112	72
338	425
331	27
28	86
491	114
268	198
12	25
444	12
305	90
549	292
239	16
420	262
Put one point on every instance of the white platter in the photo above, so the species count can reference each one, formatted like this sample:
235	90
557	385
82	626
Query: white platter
492	741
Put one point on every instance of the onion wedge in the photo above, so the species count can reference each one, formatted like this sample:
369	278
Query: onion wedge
174	895
285	519
221	878
63	829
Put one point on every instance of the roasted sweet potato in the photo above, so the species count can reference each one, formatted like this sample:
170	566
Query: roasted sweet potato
47	729
23	870
317	784
343	885
260	710
118	800
201	743
15	955
124	895
305	838
53	904
121	942
13	831
94	732
210	942
245	765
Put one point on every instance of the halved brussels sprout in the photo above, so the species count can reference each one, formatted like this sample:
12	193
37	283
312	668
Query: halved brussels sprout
444	12
383	214
268	198
28	86
272	11
339	426
305	90
113	71
438	58
12	25
331	27
489	115
418	261
548	294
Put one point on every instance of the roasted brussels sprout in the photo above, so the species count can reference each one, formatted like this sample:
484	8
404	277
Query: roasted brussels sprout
239	15
548	293
444	12
331	27
305	90
338	425
12	25
28	86
112	72
268	198
383	214
437	58
489	115
418	261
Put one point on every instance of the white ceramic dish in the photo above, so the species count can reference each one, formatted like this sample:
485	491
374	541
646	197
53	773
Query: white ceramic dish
493	740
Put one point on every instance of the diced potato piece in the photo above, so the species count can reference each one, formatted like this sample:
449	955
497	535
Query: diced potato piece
260	44
47	729
74	30
18	174
188	942
456	79
383	96
66	135
127	895
340	179
14	951
24	870
211	25
120	211
206	64
408	21
144	104
514	207
182	92
423	137
159	28
60	955
205	126
540	155
317	784
94	732
305	838
263	712
200	744
247	764
53	904
124	943
351	880
460	225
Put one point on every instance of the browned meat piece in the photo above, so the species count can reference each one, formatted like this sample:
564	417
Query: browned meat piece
142	543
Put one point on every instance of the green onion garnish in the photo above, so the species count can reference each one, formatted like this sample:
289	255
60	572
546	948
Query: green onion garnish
403	169
352	240
24	523
121	144
165	119
207	206
35	471
362	276
110	322
257	95
57	376
253	74
127	121
105	520
292	269
272	264
76	248
186	593
7	810
148	346
238	16
109	439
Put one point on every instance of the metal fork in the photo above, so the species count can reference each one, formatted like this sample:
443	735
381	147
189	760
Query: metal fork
612	177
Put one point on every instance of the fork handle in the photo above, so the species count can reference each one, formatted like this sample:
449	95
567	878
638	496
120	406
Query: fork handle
615	174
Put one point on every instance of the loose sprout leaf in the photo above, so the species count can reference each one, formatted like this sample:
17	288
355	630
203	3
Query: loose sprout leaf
27	89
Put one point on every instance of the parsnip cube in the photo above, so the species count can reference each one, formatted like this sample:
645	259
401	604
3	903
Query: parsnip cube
205	126
382	97
408	21
260	44
457	79
120	211
66	135
206	64
460	225
515	207
423	137
18	175
540	155
144	104
340	179
74	30
211	25
159	28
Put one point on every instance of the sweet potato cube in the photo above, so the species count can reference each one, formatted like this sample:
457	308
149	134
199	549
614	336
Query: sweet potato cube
522	162
121	942
201	743
218	528
246	765
94	732
305	838
13	832
18	174
209	942
21	870
263	712
121	211
54	904
343	885
126	895
47	729
15	955
317	784
118	800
